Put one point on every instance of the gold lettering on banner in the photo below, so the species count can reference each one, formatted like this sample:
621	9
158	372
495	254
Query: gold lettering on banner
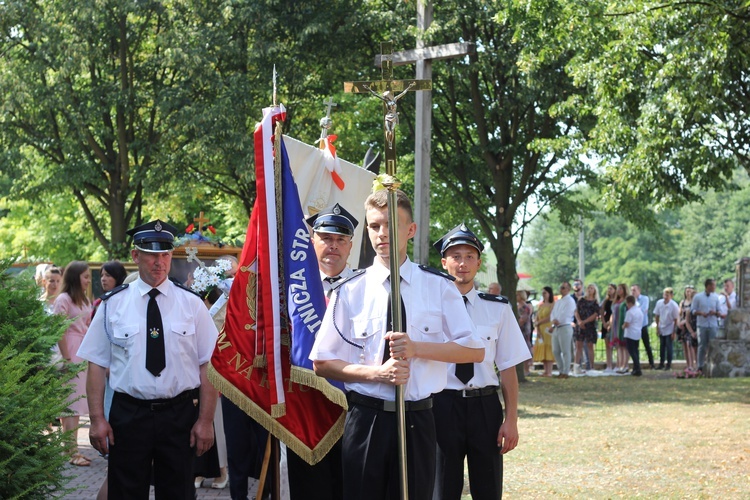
221	342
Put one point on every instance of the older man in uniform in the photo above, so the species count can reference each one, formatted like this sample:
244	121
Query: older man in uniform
332	232
468	413
156	339
356	344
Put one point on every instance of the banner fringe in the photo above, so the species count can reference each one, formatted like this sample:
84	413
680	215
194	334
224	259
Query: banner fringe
308	378
311	456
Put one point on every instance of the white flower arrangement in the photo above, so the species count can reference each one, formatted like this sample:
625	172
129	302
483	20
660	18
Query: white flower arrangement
205	278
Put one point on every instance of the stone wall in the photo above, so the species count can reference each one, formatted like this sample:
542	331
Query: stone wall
730	356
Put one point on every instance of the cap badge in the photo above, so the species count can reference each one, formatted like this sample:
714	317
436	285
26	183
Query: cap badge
463	227
154	333
157	226
336	210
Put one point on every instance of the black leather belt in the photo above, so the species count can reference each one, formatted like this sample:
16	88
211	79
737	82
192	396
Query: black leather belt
474	393
383	405
160	404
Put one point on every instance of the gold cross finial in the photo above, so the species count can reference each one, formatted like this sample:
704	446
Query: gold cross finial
200	220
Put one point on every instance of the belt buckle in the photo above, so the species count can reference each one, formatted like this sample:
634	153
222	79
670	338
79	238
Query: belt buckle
389	406
157	406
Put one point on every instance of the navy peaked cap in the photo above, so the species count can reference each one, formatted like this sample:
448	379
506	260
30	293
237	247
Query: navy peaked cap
155	236
333	220
459	235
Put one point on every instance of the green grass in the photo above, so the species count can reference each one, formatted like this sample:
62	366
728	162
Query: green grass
627	437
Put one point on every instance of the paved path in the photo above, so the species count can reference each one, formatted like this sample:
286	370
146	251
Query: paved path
87	480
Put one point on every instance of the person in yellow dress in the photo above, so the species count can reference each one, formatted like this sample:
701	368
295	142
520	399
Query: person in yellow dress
543	347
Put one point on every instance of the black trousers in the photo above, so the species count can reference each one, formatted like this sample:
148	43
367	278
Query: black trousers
322	481
246	443
647	345
635	356
144	436
468	428
370	454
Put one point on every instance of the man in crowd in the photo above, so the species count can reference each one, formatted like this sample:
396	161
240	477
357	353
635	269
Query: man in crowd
468	414
494	289
156	339
577	290
332	232
633	332
707	311
727	301
356	344
642	302
563	314
666	314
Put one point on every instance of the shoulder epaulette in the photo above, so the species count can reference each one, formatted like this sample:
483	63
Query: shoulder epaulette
180	285
436	271
493	298
114	291
355	274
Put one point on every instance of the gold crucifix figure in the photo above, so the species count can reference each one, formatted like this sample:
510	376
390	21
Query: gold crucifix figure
384	90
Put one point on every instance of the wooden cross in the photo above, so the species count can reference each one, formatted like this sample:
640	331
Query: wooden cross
384	90
200	220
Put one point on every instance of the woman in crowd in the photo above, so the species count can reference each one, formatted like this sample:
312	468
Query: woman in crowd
51	281
687	332
543	348
112	274
524	321
617	332
606	313
74	304
587	312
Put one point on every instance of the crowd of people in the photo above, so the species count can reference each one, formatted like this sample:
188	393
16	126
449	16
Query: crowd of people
568	326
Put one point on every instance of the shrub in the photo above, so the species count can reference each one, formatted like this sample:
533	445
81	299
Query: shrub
32	393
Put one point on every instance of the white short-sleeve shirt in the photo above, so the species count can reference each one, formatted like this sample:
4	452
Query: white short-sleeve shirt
504	345
354	326
116	340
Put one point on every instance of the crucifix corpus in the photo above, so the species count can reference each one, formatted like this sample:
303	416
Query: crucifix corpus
390	91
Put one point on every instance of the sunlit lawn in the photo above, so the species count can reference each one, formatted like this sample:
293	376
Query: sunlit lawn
623	437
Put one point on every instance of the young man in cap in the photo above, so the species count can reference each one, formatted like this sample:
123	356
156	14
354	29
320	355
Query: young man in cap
468	413
332	232
355	344
156	339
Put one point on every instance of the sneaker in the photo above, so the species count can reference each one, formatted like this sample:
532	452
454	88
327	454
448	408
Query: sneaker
577	370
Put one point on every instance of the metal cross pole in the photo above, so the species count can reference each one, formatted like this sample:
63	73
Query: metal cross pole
384	90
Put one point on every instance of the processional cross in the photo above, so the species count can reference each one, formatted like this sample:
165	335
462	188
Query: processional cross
200	220
390	91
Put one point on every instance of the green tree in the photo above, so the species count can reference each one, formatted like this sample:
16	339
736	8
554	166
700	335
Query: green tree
669	89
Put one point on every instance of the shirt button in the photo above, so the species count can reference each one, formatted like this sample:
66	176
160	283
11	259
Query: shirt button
426	329
126	334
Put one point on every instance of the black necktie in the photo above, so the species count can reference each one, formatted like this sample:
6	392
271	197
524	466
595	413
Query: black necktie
465	371
155	358
331	280
389	322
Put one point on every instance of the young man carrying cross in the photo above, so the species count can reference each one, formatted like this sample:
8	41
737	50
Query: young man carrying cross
355	344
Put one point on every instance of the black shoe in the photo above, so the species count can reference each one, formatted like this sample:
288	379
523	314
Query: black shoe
636	374
669	367
652	367
660	367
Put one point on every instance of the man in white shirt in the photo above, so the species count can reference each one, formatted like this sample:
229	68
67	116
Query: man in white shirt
707	311
666	314
356	344
468	414
332	232
156	338
563	315
727	301
633	332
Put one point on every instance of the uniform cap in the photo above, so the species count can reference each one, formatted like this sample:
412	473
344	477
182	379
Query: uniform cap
155	236
333	220
459	235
